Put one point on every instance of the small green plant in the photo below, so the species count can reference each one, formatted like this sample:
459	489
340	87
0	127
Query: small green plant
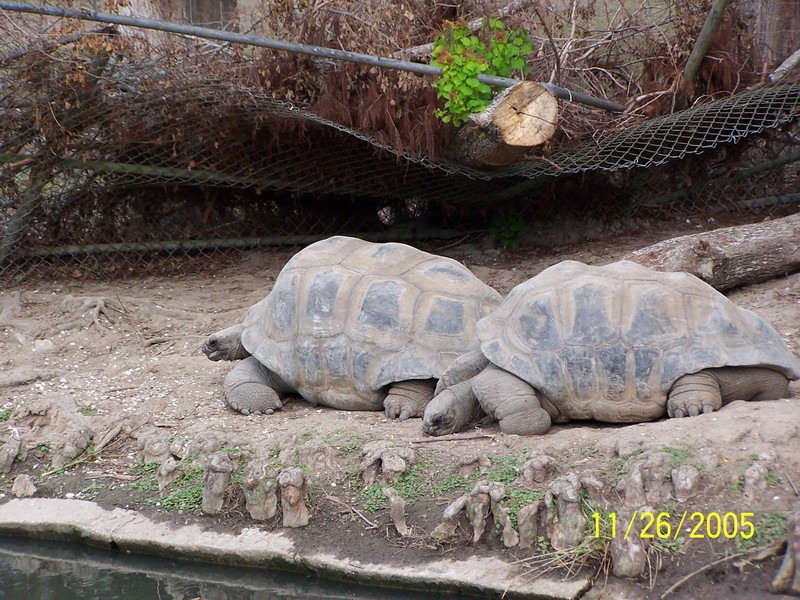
147	478
188	492
669	545
346	442
88	411
507	230
773	478
768	528
678	456
454	483
373	498
504	469
5	414
542	545
187	498
144	468
463	56
515	499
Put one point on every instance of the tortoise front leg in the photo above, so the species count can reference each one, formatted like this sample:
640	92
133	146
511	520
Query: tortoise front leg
408	398
251	388
512	401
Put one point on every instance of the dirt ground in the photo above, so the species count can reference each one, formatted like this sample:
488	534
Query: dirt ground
116	360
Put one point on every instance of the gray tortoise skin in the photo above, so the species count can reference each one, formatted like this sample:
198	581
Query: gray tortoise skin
354	325
617	343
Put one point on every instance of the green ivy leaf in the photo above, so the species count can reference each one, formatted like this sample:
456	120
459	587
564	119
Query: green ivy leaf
462	56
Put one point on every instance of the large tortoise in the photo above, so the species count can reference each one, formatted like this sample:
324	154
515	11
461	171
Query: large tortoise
354	325
619	343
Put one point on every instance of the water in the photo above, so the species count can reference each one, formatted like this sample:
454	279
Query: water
39	570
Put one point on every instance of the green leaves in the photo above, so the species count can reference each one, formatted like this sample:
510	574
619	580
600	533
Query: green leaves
463	56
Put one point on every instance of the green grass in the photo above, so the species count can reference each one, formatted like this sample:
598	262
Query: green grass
504	469
678	456
187	498
5	414
147	477
188	487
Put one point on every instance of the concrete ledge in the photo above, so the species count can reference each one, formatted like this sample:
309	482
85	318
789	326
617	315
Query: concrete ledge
128	531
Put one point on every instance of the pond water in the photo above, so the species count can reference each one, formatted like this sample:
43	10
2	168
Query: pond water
41	570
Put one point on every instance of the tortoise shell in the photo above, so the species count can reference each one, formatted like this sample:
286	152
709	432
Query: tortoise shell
347	317
608	342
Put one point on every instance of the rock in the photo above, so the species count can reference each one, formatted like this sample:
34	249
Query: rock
204	444
167	472
153	446
478	506
23	487
384	458
508	534
529	520
615	589
294	491
394	463
482	501
684	482
260	490
397	511
535	471
564	515
628	554
472	463
592	485
73	445
787	579
646	481
215	483
755	480
9	452
318	456
43	346
447	528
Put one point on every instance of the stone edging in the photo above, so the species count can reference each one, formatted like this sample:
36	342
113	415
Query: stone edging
128	531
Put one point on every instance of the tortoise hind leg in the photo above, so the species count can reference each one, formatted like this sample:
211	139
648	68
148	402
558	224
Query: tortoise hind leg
694	394
408	398
707	390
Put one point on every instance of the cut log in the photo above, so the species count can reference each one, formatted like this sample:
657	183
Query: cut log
518	119
732	256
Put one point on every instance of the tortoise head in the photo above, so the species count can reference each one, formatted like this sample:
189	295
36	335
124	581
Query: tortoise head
441	415
225	345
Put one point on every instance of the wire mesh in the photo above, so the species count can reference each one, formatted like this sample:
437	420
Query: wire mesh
112	157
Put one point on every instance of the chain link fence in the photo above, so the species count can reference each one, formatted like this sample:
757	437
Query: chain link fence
112	161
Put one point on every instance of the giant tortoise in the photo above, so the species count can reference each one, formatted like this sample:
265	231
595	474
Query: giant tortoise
619	343
354	325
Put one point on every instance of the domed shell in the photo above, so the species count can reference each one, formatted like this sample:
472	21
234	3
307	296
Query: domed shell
608	342
346	318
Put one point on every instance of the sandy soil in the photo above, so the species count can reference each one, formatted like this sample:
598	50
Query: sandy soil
118	360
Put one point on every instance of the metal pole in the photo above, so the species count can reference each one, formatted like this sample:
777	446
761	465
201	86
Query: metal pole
253	40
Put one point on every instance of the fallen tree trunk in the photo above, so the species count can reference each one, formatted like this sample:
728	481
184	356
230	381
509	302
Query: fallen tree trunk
518	119
732	256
